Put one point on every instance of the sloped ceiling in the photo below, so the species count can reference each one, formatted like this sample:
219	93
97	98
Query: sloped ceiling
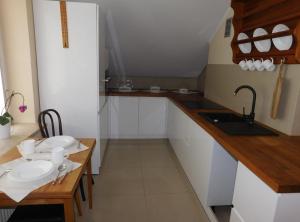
161	37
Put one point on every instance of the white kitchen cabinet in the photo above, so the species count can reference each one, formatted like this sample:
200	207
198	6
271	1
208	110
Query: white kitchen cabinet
254	201
123	112
137	117
152	117
209	168
104	129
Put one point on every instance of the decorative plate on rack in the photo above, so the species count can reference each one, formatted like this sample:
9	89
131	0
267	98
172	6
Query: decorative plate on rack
263	45
245	47
285	42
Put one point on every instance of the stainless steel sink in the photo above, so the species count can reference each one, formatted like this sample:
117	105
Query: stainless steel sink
233	124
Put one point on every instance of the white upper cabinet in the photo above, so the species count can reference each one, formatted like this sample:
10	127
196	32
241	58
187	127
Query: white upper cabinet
152	117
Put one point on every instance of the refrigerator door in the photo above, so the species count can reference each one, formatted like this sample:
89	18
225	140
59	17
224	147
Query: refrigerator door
69	77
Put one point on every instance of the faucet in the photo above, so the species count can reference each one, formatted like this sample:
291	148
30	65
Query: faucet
250	117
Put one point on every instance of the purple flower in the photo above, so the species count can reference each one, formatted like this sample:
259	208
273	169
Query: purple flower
22	108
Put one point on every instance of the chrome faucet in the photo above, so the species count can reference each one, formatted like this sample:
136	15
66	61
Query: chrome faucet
250	117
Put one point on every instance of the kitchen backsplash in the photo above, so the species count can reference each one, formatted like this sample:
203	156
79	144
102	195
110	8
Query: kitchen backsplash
140	82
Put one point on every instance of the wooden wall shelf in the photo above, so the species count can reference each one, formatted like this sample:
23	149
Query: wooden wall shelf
252	14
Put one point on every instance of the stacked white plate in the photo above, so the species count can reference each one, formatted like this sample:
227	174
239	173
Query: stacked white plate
245	47
57	141
285	42
263	45
30	172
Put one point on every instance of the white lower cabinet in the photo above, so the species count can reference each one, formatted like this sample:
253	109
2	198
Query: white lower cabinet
254	201
104	130
123	113
152	117
209	168
137	117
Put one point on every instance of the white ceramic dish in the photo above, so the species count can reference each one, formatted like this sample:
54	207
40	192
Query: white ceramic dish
32	171
245	47
185	93
285	42
155	91
263	45
55	141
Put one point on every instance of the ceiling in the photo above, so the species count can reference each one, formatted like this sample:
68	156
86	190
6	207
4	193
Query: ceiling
161	37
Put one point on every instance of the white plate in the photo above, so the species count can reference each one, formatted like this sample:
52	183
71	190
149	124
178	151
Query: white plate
263	45
55	141
282	43
245	47
31	171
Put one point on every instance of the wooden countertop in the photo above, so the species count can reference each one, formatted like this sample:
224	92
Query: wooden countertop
274	159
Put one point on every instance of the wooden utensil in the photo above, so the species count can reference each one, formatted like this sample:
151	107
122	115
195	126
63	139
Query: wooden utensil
64	23
277	91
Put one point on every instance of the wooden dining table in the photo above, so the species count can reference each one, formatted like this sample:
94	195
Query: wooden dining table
64	193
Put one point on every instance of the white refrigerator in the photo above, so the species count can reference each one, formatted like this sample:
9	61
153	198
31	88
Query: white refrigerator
71	79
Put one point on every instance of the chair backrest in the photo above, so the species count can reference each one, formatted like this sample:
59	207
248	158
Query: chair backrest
43	124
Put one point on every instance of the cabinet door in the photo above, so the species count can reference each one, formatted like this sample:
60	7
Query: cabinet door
123	117
253	199
152	117
200	156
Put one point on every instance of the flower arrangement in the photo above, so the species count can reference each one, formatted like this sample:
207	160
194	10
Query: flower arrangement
5	117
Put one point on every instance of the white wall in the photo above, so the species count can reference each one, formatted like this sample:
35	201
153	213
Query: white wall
162	37
17	33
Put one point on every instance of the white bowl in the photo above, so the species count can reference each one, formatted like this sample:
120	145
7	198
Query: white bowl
263	45
285	42
245	47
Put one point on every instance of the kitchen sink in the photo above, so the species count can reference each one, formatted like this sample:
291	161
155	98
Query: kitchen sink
203	104
221	117
233	124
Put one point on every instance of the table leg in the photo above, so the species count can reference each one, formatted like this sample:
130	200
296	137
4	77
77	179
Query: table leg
90	183
78	202
69	210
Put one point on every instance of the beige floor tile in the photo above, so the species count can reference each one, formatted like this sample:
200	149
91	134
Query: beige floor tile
152	142
164	181
174	208
116	209
119	192
155	146
123	157
156	158
120	182
131	142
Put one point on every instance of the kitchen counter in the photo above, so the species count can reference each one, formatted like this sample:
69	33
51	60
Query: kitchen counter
274	159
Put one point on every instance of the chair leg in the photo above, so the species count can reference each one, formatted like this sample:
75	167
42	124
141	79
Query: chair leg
78	202
93	182
82	190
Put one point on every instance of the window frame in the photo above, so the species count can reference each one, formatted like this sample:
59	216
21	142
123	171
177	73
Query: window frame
2	70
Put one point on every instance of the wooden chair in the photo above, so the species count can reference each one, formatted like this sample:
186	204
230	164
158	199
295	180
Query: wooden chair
45	133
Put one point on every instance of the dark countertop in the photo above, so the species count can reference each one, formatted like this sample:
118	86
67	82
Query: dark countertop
274	159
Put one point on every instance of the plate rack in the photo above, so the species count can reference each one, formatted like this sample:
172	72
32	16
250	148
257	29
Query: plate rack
252	14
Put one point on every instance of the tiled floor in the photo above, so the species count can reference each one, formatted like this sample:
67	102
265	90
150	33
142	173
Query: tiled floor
141	181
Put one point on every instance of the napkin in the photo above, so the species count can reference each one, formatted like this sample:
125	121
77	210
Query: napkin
44	153
76	147
18	191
